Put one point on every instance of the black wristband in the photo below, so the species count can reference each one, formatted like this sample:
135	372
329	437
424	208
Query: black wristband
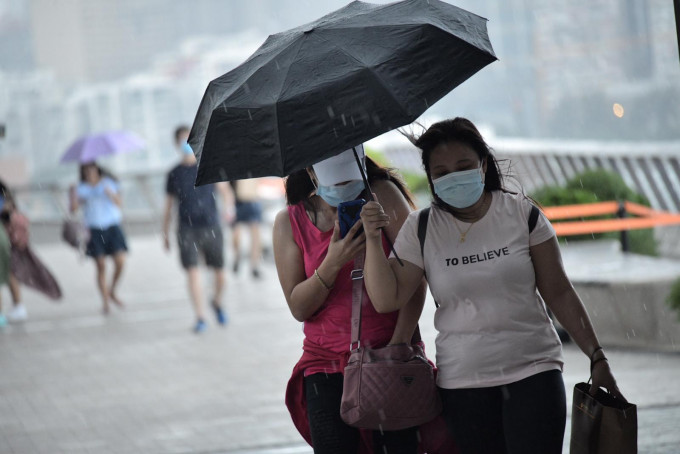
592	363
595	351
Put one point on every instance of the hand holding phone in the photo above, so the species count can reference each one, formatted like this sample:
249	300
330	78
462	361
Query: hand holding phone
349	214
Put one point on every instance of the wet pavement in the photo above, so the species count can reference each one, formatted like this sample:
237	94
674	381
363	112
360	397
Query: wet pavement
139	381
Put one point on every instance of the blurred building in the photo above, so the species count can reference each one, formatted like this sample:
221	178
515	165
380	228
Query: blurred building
104	40
43	115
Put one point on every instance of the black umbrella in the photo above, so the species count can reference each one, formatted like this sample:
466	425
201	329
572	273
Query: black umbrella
311	92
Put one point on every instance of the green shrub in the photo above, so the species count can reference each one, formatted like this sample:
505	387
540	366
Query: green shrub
673	298
599	186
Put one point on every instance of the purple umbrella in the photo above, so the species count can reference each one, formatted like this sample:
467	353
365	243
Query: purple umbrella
90	147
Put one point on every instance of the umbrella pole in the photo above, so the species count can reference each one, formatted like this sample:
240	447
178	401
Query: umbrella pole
370	198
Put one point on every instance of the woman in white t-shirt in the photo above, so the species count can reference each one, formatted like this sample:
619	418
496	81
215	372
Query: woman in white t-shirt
498	354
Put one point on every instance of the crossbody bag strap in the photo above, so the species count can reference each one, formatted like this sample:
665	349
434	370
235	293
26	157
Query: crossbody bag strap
357	277
423	218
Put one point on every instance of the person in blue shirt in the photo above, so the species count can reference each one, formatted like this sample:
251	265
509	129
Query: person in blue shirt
199	232
98	195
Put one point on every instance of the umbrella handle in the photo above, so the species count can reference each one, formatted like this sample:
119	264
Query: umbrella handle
370	198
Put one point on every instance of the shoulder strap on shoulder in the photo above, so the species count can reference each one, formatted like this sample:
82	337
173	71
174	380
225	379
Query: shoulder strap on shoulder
423	217
533	218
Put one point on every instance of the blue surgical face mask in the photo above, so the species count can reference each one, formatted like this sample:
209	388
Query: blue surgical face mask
336	194
186	148
460	189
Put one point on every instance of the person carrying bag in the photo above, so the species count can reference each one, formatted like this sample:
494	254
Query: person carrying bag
601	423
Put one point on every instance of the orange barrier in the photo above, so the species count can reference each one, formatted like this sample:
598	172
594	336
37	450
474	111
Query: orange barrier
648	218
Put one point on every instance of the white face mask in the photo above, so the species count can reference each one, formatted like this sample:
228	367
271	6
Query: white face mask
460	189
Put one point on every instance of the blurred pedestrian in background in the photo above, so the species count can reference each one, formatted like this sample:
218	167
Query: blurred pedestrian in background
18	311
98	194
4	262
248	213
199	232
24	267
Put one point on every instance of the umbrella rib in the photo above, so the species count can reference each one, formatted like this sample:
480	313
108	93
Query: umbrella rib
370	68
285	78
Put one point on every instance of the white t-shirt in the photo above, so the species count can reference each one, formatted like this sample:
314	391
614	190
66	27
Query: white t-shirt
493	327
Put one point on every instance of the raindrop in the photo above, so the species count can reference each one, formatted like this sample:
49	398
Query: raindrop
581	181
331	114
250	174
352	118
644	306
583	323
426	103
634	335
249	115
394	214
213	232
277	65
223	174
335	133
316	390
344	121
224	106
246	88
195	246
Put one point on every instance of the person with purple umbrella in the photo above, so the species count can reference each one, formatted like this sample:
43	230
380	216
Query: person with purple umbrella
98	194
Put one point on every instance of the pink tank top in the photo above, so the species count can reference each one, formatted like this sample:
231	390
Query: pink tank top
329	328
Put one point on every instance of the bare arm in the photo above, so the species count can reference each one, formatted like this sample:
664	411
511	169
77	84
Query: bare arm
114	195
74	204
561	297
389	285
228	199
306	295
397	209
167	216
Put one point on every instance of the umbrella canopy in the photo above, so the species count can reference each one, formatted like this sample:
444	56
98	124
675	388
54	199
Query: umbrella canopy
90	147
311	92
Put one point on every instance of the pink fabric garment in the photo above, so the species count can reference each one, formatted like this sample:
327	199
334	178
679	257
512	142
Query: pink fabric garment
327	336
330	327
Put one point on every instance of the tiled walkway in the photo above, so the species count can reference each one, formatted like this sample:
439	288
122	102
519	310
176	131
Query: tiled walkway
72	381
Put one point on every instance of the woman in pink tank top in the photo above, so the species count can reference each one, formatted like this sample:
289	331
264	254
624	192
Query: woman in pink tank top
314	266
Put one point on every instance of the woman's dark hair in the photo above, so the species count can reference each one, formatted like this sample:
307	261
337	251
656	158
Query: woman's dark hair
299	185
102	171
464	131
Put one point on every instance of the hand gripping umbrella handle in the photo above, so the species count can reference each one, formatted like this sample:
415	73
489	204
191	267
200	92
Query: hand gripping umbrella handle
370	198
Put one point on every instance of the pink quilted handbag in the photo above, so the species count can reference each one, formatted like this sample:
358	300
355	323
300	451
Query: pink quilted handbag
388	388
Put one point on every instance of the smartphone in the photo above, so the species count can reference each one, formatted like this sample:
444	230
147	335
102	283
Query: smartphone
348	215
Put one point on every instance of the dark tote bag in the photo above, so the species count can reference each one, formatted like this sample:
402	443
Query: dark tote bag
602	424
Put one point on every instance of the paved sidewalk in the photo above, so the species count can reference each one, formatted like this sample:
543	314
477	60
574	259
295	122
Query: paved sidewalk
72	381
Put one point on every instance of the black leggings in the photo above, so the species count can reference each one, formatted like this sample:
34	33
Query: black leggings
330	434
524	417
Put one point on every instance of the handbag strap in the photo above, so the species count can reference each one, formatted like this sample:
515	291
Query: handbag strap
357	276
